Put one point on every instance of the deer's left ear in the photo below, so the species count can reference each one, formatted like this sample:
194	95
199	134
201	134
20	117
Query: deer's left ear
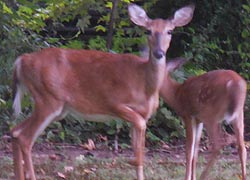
173	64
183	16
138	15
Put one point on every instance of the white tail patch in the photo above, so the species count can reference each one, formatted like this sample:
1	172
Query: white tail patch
17	101
20	89
231	117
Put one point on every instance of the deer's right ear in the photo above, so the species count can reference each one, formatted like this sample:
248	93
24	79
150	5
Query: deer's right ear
138	15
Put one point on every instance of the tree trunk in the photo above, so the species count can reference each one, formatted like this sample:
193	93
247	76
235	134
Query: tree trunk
111	24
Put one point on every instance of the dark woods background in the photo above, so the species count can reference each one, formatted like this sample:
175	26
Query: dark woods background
218	37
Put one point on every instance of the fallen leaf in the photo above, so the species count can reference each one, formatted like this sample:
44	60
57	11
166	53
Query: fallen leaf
42	172
164	145
53	157
93	169
113	162
103	138
90	145
68	169
61	175
240	177
80	157
247	144
87	171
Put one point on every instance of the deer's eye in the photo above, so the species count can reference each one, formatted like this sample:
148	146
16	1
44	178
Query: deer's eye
170	32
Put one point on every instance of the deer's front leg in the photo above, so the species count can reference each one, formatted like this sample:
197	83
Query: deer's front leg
18	160
138	144
138	137
190	147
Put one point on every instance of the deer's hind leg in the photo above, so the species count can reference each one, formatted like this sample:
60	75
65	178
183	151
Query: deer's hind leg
238	126
25	134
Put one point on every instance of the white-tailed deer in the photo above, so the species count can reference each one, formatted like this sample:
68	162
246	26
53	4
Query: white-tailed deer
207	99
96	85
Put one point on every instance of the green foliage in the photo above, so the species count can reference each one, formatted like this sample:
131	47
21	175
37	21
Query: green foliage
244	45
165	125
74	44
220	40
97	43
14	41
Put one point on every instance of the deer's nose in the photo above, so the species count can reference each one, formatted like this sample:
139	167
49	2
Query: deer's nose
158	54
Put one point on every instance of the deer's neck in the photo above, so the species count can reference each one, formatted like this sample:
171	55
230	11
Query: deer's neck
155	71
169	92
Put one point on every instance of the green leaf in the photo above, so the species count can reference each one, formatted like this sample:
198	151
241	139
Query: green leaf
2	102
52	40
6	9
123	23
109	5
83	22
166	113
62	135
119	124
153	137
100	28
245	33
75	44
246	7
26	10
111	131
128	1
175	134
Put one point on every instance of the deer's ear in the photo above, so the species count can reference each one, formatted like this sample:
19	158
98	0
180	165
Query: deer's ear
174	64
138	15
183	16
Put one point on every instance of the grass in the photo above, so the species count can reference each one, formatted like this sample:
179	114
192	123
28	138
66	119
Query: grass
157	167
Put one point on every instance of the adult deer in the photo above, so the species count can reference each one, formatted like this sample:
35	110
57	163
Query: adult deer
96	85
207	99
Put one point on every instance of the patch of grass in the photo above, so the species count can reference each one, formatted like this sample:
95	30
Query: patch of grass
6	168
91	168
226	167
